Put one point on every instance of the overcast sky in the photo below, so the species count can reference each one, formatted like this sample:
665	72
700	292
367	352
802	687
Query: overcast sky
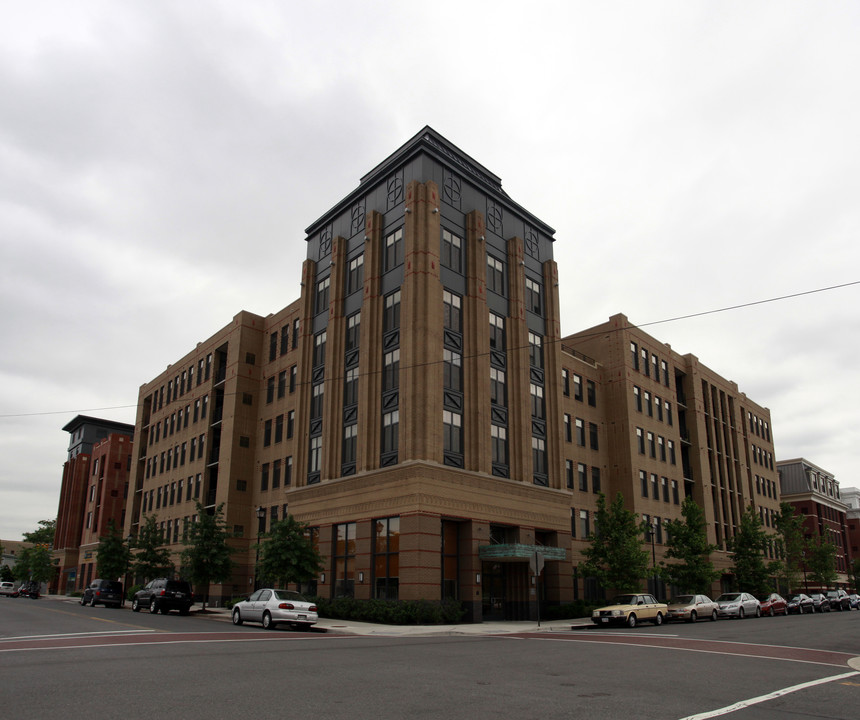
159	162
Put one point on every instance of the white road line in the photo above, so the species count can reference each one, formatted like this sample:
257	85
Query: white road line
77	635
770	696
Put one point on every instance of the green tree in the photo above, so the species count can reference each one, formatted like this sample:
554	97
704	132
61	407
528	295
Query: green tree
44	535
821	562
113	554
752	573
615	557
287	555
206	557
152	559
688	544
791	546
35	563
6	574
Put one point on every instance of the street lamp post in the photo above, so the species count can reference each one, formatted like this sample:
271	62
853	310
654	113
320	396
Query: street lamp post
261	514
652	532
129	540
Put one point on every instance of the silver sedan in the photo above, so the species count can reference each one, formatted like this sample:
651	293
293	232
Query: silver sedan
271	606
739	605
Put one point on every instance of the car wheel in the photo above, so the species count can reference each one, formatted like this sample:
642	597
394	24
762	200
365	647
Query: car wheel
267	620
153	608
714	616
800	609
659	619
772	613
631	620
694	616
741	614
135	605
83	600
237	617
758	612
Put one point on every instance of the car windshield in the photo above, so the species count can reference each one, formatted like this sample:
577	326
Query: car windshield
290	595
683	600
624	600
726	597
796	598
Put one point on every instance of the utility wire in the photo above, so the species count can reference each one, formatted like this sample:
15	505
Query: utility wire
435	362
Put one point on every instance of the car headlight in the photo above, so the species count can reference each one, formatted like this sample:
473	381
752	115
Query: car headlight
618	612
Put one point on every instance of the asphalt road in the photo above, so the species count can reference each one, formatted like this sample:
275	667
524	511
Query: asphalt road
59	659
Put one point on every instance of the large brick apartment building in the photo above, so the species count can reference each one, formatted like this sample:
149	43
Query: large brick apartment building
419	408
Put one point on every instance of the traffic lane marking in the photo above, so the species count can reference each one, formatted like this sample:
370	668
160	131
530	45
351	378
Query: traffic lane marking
719	647
126	640
770	696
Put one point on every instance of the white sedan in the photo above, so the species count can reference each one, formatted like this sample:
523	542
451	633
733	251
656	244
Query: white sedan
738	605
270	606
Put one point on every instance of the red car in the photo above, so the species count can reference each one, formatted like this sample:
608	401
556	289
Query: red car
773	604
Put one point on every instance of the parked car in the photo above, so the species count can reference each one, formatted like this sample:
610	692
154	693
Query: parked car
630	610
163	594
105	592
739	605
820	603
838	600
8	589
855	601
800	604
773	604
691	608
271	606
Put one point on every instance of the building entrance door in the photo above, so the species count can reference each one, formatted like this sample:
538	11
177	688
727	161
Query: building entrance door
493	591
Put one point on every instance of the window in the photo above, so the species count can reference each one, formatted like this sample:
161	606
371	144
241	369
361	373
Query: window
315	456
498	393
591	393
350	387
582	472
288	472
353	326
386	558
634	355
671	446
343	560
640	440
595	480
279	428
390	422
668	408
644	365
577	387
264	477
267	433
637	398
580	432
276	474
495	275
393	252
291	421
655	368
584	526
391	370
285	339
270	389
655	488
537	400
317	400
568	428
592	436
643	481
452	252
282	384
293	378
539	455
350	439
355	274
658	406
652	448
452	432
319	349
273	346
664	367
664	483
535	350
649	409
497	332
499	441
391	313
451	370
568	473
533	296
296	327
565	382
662	447
451	311
675	499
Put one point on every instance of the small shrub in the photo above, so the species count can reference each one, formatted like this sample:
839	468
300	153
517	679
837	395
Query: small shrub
129	594
576	609
391	612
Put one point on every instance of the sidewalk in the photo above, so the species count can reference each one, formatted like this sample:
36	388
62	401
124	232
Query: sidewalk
353	627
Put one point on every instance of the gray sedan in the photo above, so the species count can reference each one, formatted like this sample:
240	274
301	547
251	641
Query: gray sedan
270	606
739	605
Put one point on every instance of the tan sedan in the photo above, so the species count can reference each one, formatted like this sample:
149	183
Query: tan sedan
630	610
691	608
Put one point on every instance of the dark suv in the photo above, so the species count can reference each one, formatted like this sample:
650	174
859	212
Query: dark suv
164	595
106	592
839	600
